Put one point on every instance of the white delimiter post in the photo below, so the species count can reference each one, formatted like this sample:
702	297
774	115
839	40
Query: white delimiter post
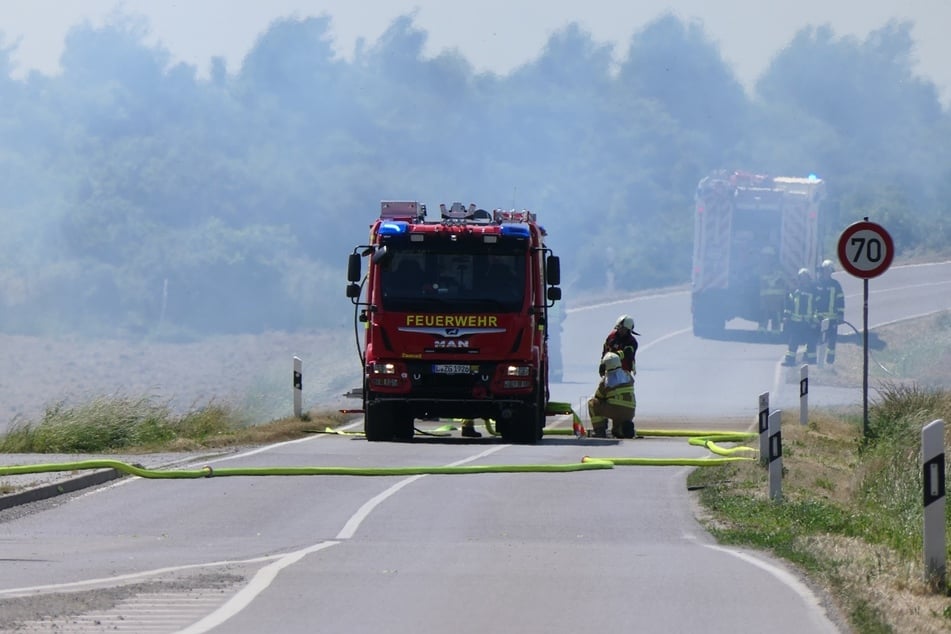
804	394
298	386
932	464
775	456
764	428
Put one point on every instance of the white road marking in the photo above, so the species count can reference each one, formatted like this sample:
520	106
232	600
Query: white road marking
788	579
266	575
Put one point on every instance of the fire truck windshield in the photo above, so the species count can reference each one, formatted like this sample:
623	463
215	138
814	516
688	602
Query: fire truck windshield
453	278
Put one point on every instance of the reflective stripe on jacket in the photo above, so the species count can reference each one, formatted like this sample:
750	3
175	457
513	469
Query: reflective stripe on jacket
831	301
801	306
622	394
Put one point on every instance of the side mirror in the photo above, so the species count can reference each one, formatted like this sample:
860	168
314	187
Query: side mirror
553	270
554	293
381	256
353	290
353	268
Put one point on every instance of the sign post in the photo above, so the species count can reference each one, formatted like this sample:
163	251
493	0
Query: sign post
865	250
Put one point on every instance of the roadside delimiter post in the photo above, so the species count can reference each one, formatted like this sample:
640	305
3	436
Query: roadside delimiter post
933	474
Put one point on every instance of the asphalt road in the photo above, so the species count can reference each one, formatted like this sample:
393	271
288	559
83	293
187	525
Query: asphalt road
614	550
683	377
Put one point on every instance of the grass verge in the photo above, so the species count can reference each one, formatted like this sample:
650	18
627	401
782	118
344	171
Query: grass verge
851	515
111	425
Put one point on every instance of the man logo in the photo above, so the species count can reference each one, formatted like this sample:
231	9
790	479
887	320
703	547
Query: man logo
452	332
446	344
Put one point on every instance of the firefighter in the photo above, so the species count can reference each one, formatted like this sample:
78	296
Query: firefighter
622	342
772	291
830	304
613	399
799	315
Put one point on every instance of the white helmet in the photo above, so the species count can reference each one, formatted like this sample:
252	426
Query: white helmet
626	321
610	361
804	272
827	266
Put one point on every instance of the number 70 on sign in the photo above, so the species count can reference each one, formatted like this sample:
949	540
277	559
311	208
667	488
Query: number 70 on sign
865	249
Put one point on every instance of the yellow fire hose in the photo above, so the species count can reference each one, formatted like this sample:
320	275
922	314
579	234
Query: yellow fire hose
708	439
209	472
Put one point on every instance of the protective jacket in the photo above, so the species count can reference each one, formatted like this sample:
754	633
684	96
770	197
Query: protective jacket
830	300
772	290
801	306
613	399
623	346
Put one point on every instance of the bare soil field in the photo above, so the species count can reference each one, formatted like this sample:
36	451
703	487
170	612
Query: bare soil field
253	373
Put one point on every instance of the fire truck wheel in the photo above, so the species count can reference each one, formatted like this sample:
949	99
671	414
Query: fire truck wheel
404	426
524	427
378	423
708	326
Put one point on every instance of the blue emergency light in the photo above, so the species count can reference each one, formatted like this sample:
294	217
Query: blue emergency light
518	231
394	228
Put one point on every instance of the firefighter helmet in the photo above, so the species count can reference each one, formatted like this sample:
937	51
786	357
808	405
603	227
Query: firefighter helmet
626	321
827	266
610	361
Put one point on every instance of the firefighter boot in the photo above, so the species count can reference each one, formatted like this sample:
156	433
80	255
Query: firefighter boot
600	430
469	430
789	359
809	357
628	430
830	357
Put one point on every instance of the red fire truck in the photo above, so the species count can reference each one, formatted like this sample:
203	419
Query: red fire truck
752	234
455	312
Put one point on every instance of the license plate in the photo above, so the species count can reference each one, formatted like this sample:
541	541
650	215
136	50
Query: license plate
451	368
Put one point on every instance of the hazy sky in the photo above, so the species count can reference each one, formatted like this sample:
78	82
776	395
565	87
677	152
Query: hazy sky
494	35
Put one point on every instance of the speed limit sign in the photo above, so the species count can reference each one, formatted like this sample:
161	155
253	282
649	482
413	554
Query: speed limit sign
865	249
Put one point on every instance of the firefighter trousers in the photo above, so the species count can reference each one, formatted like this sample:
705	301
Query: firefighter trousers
830	338
801	333
599	411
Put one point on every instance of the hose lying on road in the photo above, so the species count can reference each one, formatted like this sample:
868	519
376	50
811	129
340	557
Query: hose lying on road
209	472
587	463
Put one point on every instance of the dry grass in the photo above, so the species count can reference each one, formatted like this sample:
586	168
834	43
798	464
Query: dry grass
884	579
827	526
851	514
914	351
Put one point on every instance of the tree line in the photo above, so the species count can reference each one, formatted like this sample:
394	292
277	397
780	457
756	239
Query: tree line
141	199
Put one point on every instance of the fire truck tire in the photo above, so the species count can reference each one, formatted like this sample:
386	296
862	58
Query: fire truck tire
708	326
540	407
404	426
378	423
525	427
